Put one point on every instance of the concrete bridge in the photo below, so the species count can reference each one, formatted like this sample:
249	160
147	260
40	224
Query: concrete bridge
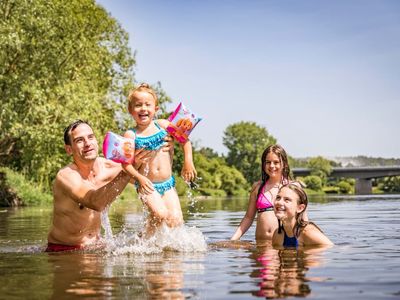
363	175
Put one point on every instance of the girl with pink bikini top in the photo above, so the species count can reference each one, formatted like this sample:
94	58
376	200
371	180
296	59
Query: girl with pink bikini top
275	172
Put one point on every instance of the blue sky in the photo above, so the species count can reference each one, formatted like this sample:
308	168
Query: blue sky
322	76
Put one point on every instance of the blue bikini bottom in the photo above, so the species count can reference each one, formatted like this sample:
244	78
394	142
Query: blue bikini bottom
162	187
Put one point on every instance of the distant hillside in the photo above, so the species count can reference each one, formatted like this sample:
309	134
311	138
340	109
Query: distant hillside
364	161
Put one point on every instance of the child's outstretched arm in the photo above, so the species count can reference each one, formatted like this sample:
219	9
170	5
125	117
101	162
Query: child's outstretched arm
188	172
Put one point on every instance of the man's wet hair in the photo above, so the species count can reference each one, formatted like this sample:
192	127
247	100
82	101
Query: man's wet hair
71	127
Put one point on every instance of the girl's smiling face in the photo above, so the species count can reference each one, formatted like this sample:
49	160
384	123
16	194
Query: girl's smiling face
286	204
273	165
143	108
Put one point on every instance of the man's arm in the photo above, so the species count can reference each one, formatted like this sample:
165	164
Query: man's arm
87	193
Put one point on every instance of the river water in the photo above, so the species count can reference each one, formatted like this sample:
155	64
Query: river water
197	262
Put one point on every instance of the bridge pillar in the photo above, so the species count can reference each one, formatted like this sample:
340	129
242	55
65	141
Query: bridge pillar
363	186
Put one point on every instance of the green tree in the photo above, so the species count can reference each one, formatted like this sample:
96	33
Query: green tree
245	142
59	61
313	182
345	187
209	153
389	184
320	167
216	178
233	182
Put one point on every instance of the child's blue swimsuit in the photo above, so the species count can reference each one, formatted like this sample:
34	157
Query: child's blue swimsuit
152	142
155	142
289	242
162	187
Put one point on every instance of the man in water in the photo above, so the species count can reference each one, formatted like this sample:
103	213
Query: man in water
83	189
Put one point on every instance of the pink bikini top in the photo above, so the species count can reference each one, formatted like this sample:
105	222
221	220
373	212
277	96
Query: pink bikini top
264	201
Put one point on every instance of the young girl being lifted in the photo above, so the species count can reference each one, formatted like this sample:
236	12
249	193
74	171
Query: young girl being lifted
154	180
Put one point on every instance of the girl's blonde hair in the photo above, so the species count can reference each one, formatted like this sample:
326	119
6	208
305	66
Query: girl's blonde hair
143	87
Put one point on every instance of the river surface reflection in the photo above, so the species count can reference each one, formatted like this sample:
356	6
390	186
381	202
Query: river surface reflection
363	264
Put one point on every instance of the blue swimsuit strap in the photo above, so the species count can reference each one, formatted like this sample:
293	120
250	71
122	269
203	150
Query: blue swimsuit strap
152	142
289	241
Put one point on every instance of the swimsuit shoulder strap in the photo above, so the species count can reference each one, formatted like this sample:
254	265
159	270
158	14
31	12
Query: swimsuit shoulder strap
157	125
289	241
262	188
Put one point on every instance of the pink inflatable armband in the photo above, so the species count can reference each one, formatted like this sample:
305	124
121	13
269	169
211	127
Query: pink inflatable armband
182	122
118	148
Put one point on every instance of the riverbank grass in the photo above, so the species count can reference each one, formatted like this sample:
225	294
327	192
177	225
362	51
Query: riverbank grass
16	190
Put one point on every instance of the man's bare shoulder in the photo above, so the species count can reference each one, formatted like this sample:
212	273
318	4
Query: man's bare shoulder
67	172
67	176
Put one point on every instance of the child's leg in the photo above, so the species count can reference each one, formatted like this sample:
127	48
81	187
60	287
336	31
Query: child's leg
158	211
171	201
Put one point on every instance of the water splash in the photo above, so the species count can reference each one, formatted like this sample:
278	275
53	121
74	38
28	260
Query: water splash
105	223
192	198
178	239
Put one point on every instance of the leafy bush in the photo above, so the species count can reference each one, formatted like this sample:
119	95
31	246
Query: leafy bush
389	184
313	182
23	189
345	187
180	186
212	172
320	167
